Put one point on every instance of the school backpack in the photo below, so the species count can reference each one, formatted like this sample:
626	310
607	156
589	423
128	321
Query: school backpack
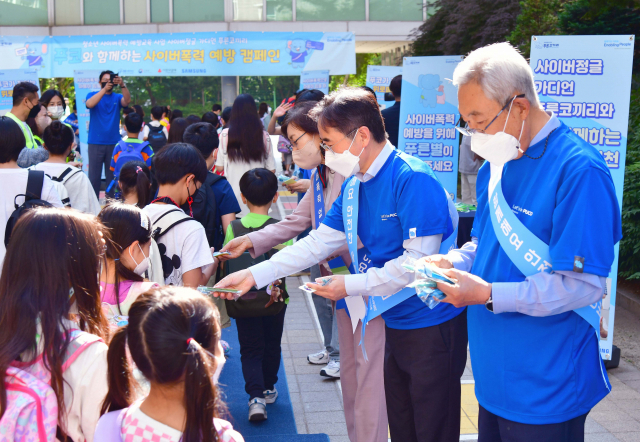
128	152
283	145
32	407
32	199
60	183
111	312
205	210
251	305
156	137
161	227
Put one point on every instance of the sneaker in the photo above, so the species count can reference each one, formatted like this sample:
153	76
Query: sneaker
320	358
257	409
270	396
332	370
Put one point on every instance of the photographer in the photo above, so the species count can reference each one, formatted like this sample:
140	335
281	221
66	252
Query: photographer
104	133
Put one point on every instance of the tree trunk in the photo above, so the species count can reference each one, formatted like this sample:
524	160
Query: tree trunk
202	97
151	96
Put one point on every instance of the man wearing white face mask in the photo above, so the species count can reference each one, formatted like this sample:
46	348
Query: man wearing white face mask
538	258
398	209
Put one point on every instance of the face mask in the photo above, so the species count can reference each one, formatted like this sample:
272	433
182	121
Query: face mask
308	157
35	110
56	112
220	361
497	149
144	264
42	121
346	163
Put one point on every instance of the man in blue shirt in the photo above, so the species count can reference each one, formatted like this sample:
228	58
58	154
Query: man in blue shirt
545	196
104	131
391	114
403	211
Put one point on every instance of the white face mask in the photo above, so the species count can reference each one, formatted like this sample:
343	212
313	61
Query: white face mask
497	149
308	156
346	163
56	112
144	264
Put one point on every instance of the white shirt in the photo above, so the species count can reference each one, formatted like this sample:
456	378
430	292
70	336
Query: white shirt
321	243
233	170
14	182
186	244
154	123
81	194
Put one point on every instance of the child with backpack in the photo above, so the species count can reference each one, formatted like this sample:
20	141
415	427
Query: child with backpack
259	328
127	261
134	183
155	132
130	149
173	337
186	257
59	141
17	184
52	328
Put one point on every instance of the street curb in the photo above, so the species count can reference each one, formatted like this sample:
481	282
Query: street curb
628	301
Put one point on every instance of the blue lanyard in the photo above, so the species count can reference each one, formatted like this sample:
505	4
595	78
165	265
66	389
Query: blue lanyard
528	252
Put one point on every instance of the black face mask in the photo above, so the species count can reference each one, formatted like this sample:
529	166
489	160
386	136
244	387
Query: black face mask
35	110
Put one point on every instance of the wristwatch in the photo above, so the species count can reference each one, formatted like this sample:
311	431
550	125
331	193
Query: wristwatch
123	86
489	303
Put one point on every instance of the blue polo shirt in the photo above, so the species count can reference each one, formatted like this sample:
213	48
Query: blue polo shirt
544	370
104	126
404	195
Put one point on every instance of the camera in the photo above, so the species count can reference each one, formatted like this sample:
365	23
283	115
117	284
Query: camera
112	77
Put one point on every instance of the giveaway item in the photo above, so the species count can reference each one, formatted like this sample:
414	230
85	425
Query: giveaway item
216	254
210	290
427	277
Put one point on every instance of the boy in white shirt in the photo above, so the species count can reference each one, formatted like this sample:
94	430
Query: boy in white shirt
182	242
155	128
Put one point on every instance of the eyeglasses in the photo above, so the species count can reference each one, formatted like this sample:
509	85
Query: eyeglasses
327	147
468	132
295	142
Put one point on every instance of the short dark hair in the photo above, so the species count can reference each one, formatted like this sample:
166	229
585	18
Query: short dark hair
396	86
349	108
259	186
12	140
21	90
133	122
226	115
299	117
210	117
174	161
193	119
216	107
58	137
203	136
102	75
48	95
156	112
314	95
138	110
127	110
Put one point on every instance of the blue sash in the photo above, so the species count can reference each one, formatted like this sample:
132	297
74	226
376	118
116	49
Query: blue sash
378	305
527	252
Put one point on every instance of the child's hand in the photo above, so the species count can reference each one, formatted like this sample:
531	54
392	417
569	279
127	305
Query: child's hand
281	110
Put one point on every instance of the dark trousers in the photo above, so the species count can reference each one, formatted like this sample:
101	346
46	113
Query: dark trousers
492	428
260	351
99	156
422	371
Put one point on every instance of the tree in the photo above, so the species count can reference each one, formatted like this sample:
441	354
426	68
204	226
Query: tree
538	17
360	77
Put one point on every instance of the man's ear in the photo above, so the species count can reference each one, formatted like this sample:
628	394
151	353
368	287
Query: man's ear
365	136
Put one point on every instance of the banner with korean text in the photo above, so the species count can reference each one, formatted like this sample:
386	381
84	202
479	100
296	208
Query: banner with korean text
8	79
315	80
586	82
428	115
85	82
185	54
379	78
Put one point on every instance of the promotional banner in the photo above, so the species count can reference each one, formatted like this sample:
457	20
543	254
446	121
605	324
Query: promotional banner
428	116
186	54
8	79
378	79
85	82
586	82
315	80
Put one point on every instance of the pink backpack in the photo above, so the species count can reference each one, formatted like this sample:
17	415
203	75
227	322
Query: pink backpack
32	406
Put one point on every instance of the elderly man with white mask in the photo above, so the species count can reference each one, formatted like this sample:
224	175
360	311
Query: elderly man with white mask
535	271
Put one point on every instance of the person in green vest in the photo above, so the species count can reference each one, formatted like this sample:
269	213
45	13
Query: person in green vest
25	98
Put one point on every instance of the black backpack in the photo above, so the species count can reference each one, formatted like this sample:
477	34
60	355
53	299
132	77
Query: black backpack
205	210
32	199
156	137
251	305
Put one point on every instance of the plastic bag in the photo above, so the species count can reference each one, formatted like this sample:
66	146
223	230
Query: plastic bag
427	277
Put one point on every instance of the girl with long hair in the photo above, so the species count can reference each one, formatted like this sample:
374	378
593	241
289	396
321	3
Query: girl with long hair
178	126
244	145
50	301
173	336
134	182
127	259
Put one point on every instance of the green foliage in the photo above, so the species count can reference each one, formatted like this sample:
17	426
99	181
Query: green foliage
263	88
360	77
629	266
64	85
538	17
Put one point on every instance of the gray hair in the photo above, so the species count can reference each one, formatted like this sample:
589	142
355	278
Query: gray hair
500	70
